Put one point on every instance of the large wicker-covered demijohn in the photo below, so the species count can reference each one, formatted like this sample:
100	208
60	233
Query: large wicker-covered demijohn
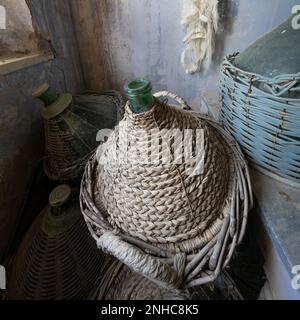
57	259
168	193
71	127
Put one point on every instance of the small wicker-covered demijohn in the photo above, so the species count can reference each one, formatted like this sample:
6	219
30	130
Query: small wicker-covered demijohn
57	259
71	127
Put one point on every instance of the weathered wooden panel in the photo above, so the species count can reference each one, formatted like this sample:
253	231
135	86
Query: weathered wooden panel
21	127
89	22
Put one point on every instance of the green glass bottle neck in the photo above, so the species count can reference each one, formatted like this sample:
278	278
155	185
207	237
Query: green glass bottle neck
141	103
49	97
139	93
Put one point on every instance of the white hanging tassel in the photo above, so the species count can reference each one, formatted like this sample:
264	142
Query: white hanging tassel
200	17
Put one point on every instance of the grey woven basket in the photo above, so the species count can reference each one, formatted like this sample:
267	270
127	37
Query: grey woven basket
176	229
263	115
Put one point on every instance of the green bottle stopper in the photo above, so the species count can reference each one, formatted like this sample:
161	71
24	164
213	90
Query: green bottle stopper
45	94
54	103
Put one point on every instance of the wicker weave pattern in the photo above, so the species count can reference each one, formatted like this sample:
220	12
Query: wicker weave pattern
56	266
163	211
162	204
63	161
120	283
123	284
59	147
263	115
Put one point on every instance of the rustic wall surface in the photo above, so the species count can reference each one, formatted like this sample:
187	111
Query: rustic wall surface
21	127
18	37
130	38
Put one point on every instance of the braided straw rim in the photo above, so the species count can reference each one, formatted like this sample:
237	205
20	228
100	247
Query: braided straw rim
171	269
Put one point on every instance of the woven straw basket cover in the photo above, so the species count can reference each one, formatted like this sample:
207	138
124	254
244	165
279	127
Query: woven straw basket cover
175	228
57	259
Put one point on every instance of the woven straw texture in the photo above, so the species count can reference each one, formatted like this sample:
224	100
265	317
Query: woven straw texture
263	115
123	284
120	283
57	259
140	212
71	135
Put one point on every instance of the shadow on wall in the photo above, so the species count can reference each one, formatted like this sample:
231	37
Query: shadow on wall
228	10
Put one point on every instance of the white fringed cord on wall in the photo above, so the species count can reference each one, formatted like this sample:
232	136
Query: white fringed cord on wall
201	19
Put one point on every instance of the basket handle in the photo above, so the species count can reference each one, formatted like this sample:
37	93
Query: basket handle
170	95
152	268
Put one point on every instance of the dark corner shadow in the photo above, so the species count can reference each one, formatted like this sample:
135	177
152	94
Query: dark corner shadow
228	11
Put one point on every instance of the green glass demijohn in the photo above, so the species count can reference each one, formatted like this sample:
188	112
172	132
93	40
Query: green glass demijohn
275	54
57	259
71	126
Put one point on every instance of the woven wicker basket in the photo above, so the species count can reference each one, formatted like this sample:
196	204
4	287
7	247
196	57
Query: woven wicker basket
263	115
177	229
57	259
